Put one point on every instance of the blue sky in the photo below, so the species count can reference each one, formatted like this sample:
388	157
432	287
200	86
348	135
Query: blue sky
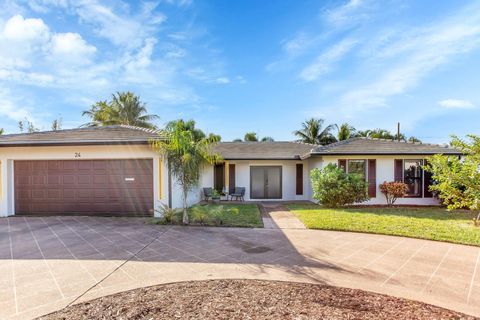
238	66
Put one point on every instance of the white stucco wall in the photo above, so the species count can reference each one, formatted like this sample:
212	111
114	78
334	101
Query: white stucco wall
242	177
9	155
385	172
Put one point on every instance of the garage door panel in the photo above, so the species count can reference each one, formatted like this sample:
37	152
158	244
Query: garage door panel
83	179
68	180
84	187
22	181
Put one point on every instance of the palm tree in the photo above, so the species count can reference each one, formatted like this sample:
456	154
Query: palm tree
313	132
345	131
186	157
125	108
131	111
250	136
188	125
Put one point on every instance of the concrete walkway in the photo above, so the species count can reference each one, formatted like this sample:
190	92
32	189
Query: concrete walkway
277	216
47	263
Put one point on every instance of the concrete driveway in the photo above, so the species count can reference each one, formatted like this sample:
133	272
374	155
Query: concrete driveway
47	263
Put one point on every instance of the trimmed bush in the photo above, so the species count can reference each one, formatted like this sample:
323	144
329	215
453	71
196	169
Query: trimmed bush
393	190
333	188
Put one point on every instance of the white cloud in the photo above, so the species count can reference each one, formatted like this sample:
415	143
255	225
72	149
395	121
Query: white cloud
19	29
324	62
10	109
456	104
222	80
412	57
349	13
71	47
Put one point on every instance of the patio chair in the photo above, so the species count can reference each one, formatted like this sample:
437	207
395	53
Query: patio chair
207	193
239	193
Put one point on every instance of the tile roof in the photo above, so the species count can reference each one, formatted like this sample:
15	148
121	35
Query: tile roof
281	150
366	146
118	134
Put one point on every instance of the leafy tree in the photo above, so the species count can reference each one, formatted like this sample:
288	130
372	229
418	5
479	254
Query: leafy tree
457	181
28	126
250	136
267	139
215	137
414	140
380	134
237	140
333	187
57	124
186	156
2	131
125	108
313	131
345	131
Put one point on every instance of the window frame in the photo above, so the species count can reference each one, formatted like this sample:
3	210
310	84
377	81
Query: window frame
422	177
365	165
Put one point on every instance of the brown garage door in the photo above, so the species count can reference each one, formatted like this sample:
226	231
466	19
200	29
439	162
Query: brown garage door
96	187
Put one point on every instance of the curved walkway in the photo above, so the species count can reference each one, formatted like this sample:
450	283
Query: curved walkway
46	263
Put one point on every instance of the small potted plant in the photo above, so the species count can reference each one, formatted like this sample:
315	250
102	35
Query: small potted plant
216	196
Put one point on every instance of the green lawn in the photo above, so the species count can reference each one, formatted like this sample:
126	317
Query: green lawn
234	215
425	223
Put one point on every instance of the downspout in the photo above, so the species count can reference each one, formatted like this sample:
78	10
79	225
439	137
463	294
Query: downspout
169	184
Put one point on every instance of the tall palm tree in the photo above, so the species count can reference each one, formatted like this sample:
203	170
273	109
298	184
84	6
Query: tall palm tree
131	111
313	132
186	156
188	125
345	131
125	108
250	136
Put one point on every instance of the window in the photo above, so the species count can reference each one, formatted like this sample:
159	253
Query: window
357	166
412	177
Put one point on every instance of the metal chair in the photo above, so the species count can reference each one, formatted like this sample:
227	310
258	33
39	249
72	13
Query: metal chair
239	193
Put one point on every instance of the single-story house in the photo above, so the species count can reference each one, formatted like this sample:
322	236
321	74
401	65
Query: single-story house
112	170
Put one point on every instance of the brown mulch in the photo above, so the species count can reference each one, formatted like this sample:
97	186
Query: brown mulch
251	299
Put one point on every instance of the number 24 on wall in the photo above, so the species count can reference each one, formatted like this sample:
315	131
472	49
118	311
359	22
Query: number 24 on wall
77	155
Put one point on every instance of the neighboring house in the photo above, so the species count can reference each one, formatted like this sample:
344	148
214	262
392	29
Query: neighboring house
113	171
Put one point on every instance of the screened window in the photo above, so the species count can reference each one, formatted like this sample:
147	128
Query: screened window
357	166
412	177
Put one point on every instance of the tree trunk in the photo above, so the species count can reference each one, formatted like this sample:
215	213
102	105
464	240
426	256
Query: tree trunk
185	207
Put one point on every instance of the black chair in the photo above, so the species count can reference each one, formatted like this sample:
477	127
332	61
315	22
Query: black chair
239	193
207	193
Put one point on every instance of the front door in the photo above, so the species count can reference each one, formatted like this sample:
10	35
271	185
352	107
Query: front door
266	182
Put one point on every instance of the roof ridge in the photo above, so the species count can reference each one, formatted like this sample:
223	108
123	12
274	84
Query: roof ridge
149	130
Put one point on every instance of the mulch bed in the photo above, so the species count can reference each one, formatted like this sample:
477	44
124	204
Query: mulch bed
251	299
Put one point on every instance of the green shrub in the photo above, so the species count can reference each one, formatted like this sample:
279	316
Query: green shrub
332	187
393	190
199	215
168	215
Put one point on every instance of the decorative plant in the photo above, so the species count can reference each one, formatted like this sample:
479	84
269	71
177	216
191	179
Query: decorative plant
393	190
332	187
215	214
168	215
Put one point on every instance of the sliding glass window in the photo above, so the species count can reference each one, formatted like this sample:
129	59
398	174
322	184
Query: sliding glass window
412	176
